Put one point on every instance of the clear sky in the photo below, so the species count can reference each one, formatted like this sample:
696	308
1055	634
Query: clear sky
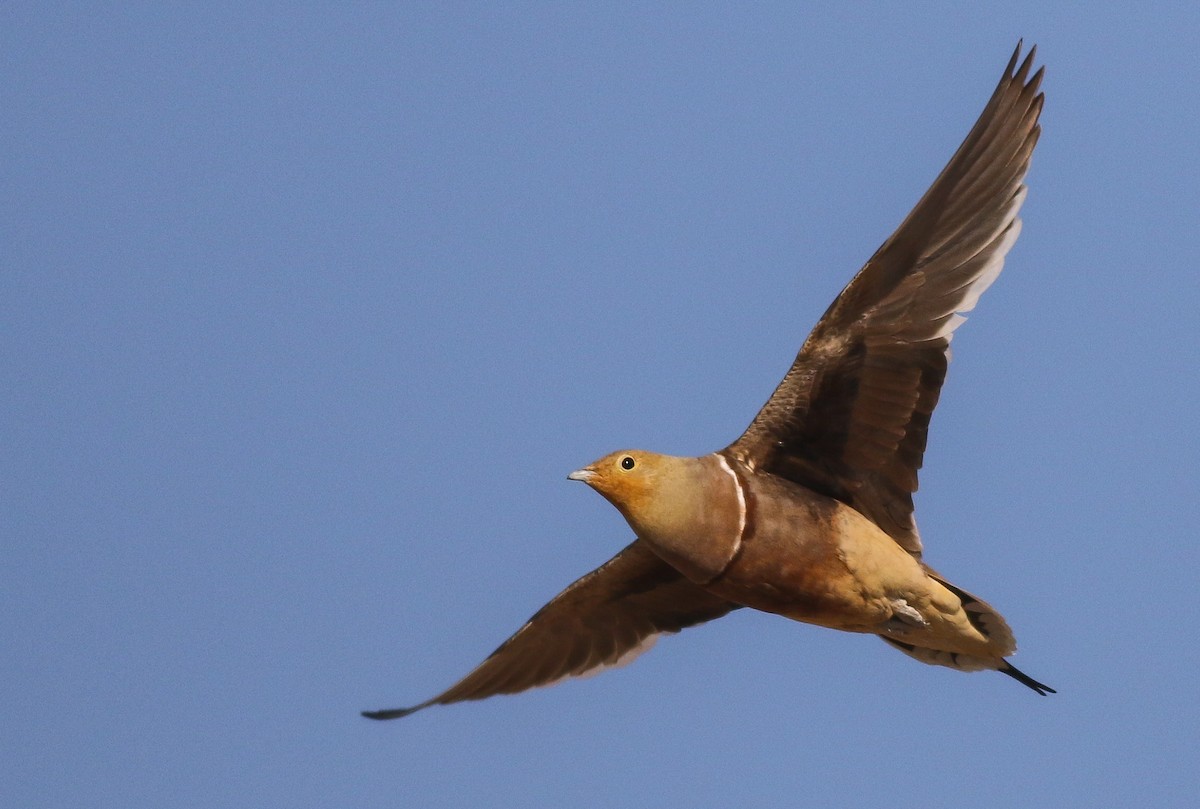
308	309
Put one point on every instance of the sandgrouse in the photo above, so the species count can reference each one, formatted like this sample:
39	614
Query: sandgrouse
809	514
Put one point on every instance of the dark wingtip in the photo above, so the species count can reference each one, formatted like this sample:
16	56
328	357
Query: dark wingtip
1025	680
1022	72
391	713
1012	60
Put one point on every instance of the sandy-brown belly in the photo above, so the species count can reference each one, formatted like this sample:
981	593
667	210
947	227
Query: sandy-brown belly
793	561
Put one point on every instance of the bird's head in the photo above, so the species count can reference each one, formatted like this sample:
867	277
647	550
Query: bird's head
688	509
655	493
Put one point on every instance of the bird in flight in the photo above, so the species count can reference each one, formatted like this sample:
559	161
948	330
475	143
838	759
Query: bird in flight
809	514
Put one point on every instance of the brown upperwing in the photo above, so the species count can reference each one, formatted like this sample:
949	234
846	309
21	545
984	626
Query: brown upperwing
600	619
851	416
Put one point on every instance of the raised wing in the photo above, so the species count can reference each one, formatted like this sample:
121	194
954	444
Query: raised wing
851	416
604	619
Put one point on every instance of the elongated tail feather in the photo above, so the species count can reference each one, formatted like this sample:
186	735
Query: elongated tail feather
1024	679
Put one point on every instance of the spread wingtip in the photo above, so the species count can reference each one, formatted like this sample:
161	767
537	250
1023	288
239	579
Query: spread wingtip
391	713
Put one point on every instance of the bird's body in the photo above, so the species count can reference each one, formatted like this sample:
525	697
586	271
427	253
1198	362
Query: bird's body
761	541
809	513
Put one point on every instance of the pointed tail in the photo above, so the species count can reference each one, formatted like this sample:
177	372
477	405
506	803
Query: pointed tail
1024	679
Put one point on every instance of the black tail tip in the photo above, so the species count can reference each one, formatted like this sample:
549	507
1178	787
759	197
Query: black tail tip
1025	680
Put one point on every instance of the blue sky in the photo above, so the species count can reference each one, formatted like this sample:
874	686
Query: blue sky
308	310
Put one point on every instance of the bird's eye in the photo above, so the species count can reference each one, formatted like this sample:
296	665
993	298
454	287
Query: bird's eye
627	462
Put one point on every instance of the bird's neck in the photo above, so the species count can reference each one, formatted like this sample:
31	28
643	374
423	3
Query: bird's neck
697	518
